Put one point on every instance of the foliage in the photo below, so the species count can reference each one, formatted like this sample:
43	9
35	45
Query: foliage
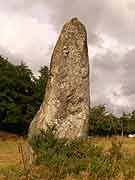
102	122
41	83
62	158
21	94
105	124
98	157
18	103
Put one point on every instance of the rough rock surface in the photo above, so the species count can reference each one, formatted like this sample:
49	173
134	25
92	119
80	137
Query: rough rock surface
66	103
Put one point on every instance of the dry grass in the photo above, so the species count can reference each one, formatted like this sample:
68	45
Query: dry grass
10	157
9	154
128	144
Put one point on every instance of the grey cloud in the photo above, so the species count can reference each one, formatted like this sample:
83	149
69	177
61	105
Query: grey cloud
106	62
115	18
8	55
112	74
129	61
111	17
128	88
112	82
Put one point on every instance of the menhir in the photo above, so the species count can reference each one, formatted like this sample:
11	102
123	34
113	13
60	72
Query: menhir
67	100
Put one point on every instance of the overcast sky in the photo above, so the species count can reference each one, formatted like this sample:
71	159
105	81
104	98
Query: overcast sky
29	30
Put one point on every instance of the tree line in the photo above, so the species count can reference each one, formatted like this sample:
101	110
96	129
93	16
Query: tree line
103	123
21	94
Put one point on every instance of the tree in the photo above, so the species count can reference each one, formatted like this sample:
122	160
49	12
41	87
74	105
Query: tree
16	96
131	123
123	123
101	122
40	85
21	95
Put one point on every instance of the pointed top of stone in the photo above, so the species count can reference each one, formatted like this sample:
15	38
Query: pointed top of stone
73	36
75	19
75	23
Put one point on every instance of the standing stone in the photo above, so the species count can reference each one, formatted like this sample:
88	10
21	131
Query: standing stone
66	102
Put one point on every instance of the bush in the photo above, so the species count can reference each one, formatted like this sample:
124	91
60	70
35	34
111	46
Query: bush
21	94
101	122
63	158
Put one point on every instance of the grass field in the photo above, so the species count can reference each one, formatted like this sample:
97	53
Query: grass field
11	159
9	154
128	144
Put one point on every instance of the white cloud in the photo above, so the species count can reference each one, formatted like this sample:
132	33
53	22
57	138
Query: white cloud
28	39
29	30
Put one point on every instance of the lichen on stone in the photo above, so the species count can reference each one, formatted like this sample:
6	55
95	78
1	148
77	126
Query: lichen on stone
67	101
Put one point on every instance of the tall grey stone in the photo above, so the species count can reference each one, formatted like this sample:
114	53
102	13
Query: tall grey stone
66	102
